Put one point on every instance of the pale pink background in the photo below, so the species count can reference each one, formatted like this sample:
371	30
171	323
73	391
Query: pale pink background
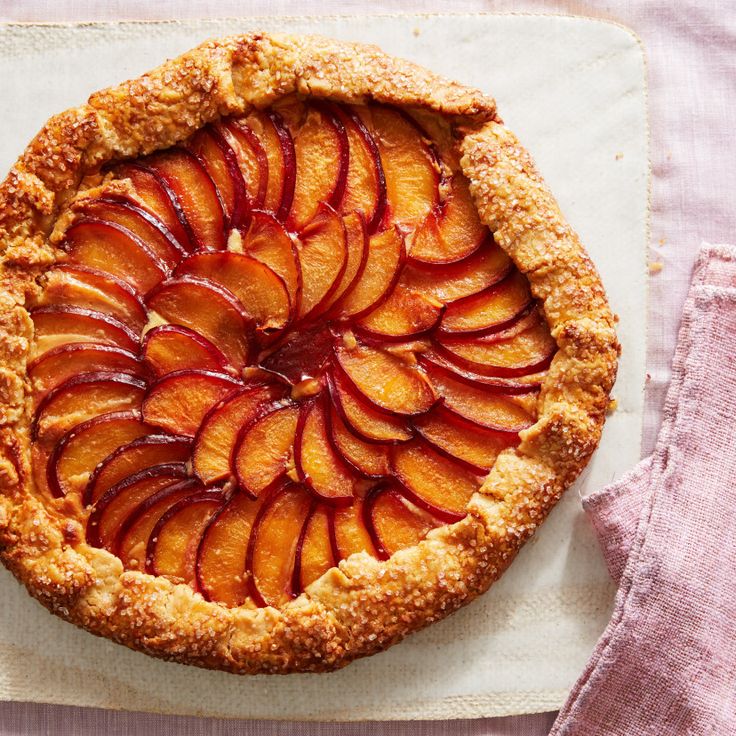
691	53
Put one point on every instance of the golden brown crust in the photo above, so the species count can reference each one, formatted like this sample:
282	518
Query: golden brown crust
364	605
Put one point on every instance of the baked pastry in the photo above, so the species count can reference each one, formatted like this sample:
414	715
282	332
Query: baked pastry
296	351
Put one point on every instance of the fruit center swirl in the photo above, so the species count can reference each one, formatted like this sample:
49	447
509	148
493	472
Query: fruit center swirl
284	341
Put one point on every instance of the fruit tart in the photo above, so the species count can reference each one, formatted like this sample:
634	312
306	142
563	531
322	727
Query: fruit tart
296	351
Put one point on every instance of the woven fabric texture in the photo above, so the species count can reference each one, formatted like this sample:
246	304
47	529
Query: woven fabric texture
667	660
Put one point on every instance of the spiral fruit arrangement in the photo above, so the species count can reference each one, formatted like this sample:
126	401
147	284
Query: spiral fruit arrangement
284	341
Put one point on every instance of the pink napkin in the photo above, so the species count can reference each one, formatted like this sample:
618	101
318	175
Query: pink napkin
666	663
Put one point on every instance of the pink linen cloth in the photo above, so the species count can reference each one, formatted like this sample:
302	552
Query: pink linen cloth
615	510
666	663
691	57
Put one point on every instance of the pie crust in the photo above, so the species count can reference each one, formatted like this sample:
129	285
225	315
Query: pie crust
364	605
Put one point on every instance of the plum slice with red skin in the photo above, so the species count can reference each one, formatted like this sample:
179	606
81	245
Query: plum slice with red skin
381	271
318	466
523	348
149	228
262	293
432	481
267	240
365	188
410	163
111	248
433	362
288	166
221	558
364	420
179	401
527	318
82	397
490	310
266	153
405	315
131	539
302	353
356	242
349	533
336	126
277	145
55	326
118	501
272	548
484	405
60	363
470	444
264	447
220	428
314	550
155	195
214	152
175	539
197	203
452	231
385	380
250	157
209	309
323	255
134	457
88	288
169	348
321	157
80	450
450	282
393	522
369	459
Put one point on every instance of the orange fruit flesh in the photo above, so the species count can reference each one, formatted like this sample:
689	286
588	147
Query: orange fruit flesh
111	249
222	560
87	444
180	401
315	554
170	348
132	536
274	543
54	367
124	503
382	267
318	464
176	543
315	333
370	459
397	524
140	454
219	430
410	167
350	532
386	380
65	285
68	407
265	448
